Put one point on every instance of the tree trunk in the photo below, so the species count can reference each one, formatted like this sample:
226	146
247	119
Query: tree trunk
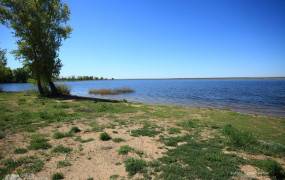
53	88
40	88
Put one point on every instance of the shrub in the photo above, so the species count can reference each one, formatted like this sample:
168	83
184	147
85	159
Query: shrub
147	130
62	149
105	136
20	151
63	89
39	142
134	166
57	176
125	150
173	130
78	138
111	91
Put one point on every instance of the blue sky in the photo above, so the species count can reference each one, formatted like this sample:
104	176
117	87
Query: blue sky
171	38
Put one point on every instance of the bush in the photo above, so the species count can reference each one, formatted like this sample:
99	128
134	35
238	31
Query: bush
105	136
63	89
117	140
134	166
111	91
57	176
61	164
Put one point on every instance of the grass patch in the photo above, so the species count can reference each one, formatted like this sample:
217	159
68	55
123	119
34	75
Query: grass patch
248	142
134	166
57	176
62	149
20	151
146	130
111	91
60	135
196	160
124	150
39	142
274	169
188	124
29	164
62	164
105	136
118	140
174	130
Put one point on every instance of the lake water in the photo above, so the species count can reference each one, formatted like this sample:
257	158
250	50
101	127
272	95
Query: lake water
254	96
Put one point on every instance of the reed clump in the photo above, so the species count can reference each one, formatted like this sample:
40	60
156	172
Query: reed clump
111	91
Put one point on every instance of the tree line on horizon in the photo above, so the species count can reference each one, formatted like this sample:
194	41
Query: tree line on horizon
39	28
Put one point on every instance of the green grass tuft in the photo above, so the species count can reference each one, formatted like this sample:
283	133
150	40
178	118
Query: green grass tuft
124	150
147	130
62	149
134	166
188	124
105	136
57	176
74	129
274	169
64	163
20	151
39	142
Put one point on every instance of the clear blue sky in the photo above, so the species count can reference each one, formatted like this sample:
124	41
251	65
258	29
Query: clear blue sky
172	38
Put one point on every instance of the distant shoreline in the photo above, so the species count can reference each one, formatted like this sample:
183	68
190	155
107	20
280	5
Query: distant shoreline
212	78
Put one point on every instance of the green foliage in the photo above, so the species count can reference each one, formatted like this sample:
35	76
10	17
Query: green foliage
105	136
134	166
118	140
62	149
20	151
57	176
123	150
64	163
274	169
39	142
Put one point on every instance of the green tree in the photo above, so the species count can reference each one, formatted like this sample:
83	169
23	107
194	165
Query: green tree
5	72
40	27
21	75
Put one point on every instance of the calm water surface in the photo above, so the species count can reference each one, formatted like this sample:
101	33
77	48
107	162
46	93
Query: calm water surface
254	96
